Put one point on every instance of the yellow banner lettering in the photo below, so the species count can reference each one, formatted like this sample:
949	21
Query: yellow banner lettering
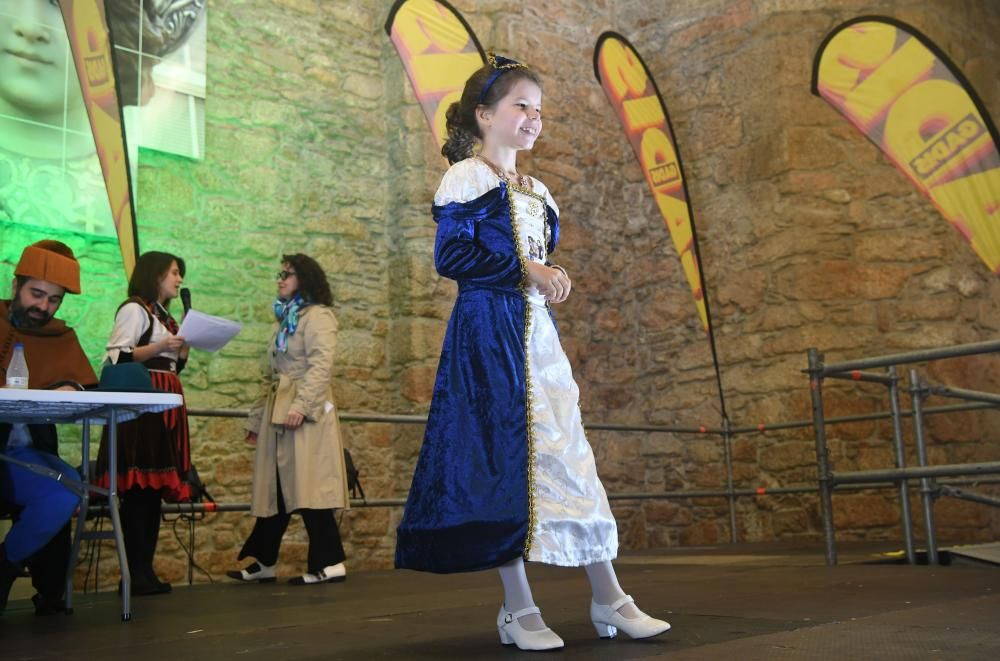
934	102
656	150
439	125
622	70
857	49
641	114
869	100
972	205
442	72
423	24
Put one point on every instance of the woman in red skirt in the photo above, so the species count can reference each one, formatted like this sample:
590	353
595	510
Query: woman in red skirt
154	454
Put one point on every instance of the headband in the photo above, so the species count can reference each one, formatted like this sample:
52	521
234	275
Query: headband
501	65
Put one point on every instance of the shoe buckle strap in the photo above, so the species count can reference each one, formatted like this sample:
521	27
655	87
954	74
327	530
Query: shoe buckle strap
530	610
627	599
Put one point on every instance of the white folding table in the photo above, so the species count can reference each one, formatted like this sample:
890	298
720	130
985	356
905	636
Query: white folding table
85	407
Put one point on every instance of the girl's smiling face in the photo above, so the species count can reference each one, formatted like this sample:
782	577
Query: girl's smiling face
515	122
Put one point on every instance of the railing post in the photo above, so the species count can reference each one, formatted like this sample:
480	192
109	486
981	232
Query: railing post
727	445
824	475
917	394
904	492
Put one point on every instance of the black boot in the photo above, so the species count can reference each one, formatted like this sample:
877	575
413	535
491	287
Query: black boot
48	605
48	573
135	518
9	572
152	539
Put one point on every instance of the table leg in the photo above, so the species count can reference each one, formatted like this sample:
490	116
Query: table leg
116	524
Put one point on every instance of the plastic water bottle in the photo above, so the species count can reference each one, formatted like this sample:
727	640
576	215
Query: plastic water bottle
17	370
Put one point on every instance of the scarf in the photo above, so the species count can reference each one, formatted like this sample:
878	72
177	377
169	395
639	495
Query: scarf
287	314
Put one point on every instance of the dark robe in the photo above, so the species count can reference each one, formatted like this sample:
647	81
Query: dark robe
53	353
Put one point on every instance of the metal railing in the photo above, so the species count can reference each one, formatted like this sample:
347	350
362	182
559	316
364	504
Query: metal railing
828	480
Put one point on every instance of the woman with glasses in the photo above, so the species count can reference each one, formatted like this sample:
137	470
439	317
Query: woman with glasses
299	463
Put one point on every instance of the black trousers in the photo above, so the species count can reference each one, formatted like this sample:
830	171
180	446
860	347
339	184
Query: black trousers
140	517
49	564
325	547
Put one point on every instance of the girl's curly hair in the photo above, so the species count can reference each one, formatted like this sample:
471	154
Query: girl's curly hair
463	129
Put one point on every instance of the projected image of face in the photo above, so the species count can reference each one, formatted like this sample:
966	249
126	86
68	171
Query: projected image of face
50	175
34	62
161	63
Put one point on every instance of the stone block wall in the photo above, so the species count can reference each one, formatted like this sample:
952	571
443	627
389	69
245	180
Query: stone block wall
809	237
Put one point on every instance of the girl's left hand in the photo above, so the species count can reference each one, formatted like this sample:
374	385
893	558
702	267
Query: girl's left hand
564	285
294	420
552	283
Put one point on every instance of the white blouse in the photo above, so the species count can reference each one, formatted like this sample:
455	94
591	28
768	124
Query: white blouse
466	180
131	322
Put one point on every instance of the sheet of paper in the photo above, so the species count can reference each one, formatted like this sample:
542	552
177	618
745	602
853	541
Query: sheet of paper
208	333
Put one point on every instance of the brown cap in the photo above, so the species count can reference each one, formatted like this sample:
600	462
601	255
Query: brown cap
53	261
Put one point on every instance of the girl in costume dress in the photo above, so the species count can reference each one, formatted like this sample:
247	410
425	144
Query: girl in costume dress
299	463
154	453
505	473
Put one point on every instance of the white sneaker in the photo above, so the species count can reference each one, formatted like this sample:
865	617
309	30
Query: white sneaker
331	574
607	621
512	633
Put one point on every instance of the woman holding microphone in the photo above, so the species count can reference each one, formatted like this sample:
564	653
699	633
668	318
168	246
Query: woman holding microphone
154	450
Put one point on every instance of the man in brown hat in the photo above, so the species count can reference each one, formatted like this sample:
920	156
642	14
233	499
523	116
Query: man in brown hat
46	271
40	536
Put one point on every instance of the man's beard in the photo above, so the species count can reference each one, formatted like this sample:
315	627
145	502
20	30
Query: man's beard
31	317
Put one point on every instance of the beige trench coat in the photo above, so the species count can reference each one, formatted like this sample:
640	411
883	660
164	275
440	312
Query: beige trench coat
310	459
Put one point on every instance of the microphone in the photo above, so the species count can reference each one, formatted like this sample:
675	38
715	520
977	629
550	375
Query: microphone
186	299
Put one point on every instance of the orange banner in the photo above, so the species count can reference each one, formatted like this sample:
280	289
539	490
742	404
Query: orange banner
89	40
438	50
635	97
914	104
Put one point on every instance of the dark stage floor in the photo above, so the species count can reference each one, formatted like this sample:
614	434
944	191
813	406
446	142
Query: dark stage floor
748	602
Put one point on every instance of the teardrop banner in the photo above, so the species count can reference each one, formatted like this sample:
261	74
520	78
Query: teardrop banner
90	42
634	95
439	52
904	94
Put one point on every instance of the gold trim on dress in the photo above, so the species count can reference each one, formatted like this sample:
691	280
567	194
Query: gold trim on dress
528	390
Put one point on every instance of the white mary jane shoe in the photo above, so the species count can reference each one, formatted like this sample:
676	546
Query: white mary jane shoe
512	633
607	621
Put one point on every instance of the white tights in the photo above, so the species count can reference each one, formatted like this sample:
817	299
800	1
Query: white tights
517	591
604	585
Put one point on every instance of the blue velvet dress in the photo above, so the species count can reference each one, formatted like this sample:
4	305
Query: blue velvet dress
505	469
